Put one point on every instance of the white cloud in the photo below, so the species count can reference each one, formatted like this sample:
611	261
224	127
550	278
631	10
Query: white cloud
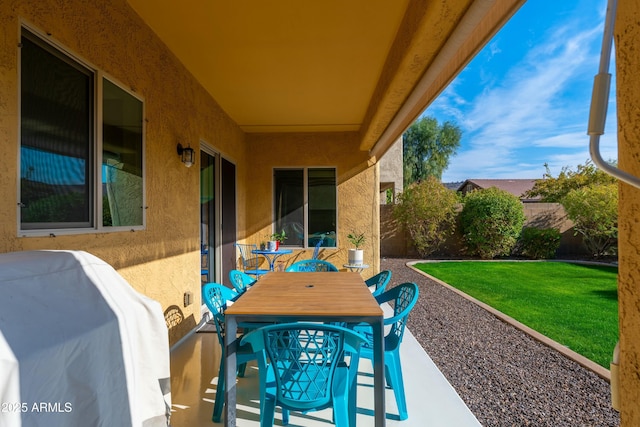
537	114
494	49
502	162
530	97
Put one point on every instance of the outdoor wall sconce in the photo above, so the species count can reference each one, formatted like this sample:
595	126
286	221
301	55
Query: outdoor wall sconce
186	154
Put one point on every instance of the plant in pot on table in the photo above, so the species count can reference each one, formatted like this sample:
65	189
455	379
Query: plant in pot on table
356	255
276	240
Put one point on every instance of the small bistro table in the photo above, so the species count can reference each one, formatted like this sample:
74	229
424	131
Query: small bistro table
356	267
315	297
271	256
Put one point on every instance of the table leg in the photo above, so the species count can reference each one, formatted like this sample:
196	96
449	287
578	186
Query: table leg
378	372
271	261
230	369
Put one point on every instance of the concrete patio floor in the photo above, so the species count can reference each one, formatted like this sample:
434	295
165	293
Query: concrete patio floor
431	400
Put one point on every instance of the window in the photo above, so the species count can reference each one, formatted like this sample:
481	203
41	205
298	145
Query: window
59	146
122	196
305	205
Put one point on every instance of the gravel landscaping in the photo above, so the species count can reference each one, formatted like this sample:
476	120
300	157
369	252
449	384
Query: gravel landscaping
505	377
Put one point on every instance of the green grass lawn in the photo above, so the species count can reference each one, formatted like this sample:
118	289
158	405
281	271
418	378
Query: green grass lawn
575	305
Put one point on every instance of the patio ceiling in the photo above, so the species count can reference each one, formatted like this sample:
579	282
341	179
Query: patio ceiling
366	66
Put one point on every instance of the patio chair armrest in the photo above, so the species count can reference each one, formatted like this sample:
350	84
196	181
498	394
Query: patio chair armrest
393	319
384	297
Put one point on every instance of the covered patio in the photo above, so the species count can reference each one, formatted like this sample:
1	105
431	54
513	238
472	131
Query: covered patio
431	400
463	367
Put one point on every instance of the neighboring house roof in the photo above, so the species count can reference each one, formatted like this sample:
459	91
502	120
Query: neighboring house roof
517	187
455	186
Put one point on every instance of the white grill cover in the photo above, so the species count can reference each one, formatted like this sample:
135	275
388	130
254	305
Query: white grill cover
78	345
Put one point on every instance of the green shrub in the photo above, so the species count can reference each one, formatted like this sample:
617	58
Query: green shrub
594	212
491	221
427	211
539	243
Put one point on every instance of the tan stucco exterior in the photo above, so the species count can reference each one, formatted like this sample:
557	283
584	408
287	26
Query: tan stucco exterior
357	180
163	261
627	42
392	171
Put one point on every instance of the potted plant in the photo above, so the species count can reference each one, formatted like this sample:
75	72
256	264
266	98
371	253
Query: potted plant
264	242
276	240
356	255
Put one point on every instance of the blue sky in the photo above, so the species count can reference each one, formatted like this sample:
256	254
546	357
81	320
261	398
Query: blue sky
524	99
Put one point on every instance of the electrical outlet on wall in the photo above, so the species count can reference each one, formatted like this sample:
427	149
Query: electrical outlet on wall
188	298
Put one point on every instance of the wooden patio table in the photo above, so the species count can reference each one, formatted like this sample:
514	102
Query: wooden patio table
292	297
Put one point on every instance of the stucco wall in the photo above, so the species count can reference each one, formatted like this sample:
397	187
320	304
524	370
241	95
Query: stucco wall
627	42
357	188
392	170
162	261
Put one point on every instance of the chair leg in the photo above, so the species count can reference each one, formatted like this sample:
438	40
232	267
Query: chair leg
393	372
268	413
340	393
341	413
353	388
241	370
217	406
219	402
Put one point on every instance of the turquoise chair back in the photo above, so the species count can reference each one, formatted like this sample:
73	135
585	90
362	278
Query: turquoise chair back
216	297
241	281
316	250
379	282
307	362
404	298
311	265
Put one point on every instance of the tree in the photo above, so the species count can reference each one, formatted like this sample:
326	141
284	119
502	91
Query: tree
590	198
427	210
594	212
491	222
552	189
427	147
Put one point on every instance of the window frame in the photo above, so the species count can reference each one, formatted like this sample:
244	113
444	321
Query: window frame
305	203
95	156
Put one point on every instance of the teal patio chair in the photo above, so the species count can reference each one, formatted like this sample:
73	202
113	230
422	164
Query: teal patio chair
404	298
311	265
316	250
378	283
241	281
216	297
250	262
306	369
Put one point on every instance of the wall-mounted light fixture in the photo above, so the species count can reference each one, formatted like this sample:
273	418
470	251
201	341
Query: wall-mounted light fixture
186	154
